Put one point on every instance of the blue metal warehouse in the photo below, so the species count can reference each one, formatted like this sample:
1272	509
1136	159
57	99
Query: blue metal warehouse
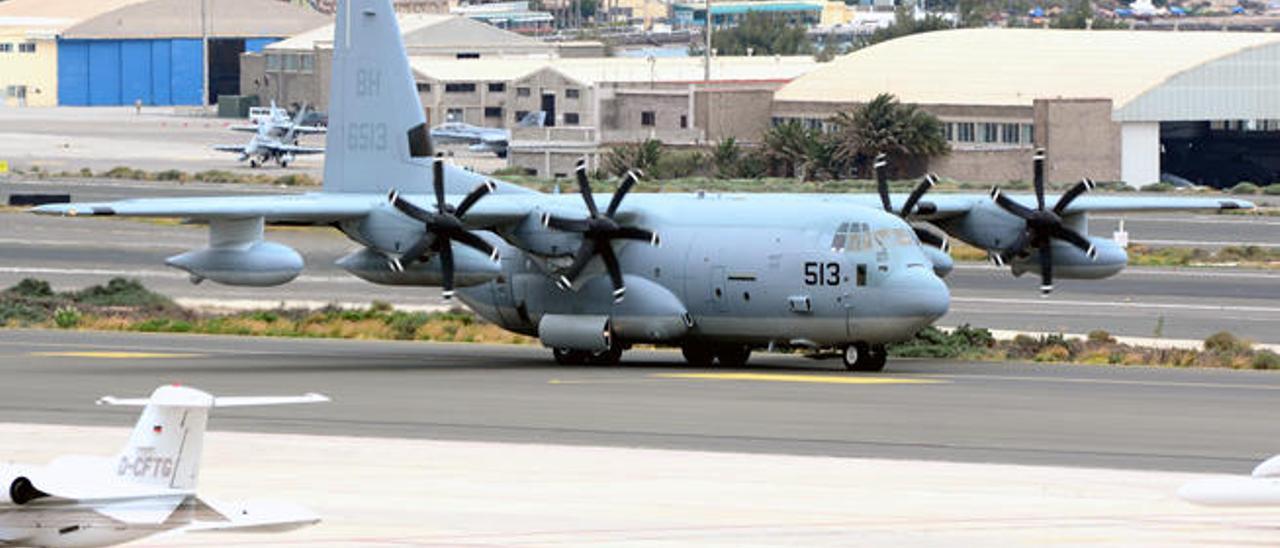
151	51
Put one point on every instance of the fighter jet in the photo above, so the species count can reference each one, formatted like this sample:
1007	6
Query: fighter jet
148	488
719	275
275	137
483	139
1262	488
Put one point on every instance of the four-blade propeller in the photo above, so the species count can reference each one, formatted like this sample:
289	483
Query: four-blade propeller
927	237
598	232
443	227
1042	225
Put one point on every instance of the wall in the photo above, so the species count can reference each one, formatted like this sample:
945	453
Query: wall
742	114
286	87
37	71
1079	138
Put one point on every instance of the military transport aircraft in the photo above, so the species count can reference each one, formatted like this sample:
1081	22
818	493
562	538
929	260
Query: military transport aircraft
274	138
1261	488
717	274
147	489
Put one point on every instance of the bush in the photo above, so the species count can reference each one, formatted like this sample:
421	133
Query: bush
295	179
31	287
121	292
932	342
1266	359
172	175
217	176
122	172
675	165
1160	187
1053	353
1223	342
1244	188
66	317
1272	189
1101	336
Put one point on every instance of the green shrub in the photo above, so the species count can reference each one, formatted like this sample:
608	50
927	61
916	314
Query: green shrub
66	317
172	175
122	172
86	172
1266	359
121	292
1244	188
217	176
1272	189
1101	336
1159	187
294	179
17	313
677	164
1223	342
31	287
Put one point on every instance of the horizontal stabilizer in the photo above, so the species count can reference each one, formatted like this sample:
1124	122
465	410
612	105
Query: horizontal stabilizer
262	516
233	401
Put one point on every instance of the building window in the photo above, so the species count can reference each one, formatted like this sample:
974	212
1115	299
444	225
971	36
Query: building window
273	61
570	118
1010	133
27	47
291	63
571	93
648	118
453	115
684	121
492	112
949	131
460	88
1028	133
964	132
990	133
520	114
6	47
308	62
424	87
522	92
468	55
497	87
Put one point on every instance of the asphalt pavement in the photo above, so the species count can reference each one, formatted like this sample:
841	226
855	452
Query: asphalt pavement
1137	418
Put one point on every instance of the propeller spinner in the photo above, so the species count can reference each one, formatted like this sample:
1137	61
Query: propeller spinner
443	227
926	237
1043	225
598	232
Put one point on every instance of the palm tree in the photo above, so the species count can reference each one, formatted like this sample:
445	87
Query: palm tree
786	146
887	126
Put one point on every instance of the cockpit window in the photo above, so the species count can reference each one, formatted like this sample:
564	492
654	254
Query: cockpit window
854	236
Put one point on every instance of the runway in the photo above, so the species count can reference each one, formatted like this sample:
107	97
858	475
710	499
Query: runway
1129	418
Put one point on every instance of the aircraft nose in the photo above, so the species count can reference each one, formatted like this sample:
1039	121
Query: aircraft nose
917	292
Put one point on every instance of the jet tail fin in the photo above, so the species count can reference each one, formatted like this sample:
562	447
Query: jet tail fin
537	118
167	441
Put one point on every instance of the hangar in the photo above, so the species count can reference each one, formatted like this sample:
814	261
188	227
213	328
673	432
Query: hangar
1113	105
117	52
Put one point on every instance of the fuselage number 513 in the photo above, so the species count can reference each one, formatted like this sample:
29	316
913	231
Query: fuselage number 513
816	273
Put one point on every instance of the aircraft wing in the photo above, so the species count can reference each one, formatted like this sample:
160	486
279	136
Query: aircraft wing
298	150
319	207
238	149
494	138
309	130
247	128
261	516
955	205
316	208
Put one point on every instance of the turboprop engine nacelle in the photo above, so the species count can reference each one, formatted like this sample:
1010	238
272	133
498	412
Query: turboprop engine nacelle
1070	262
16	489
257	264
470	268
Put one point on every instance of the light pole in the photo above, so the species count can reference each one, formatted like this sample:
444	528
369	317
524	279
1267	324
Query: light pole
706	53
204	53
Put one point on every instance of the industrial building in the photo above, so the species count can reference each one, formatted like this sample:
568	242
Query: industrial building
592	104
118	52
296	70
1111	105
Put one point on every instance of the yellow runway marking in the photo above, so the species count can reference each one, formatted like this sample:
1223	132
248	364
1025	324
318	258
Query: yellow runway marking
771	377
115	355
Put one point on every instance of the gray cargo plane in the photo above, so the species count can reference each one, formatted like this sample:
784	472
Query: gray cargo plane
719	275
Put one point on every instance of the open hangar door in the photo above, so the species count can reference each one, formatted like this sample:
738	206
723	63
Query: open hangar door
1221	153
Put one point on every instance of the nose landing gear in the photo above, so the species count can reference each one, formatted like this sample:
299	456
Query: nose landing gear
861	356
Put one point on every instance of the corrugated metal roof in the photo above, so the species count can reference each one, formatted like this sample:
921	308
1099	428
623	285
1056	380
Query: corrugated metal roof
445	30
181	19
589	71
1016	66
54	15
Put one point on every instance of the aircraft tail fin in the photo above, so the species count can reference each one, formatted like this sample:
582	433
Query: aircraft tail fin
377	137
167	442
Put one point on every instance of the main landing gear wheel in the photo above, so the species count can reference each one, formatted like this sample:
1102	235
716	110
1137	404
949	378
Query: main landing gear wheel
702	355
565	356
864	357
253	163
698	355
